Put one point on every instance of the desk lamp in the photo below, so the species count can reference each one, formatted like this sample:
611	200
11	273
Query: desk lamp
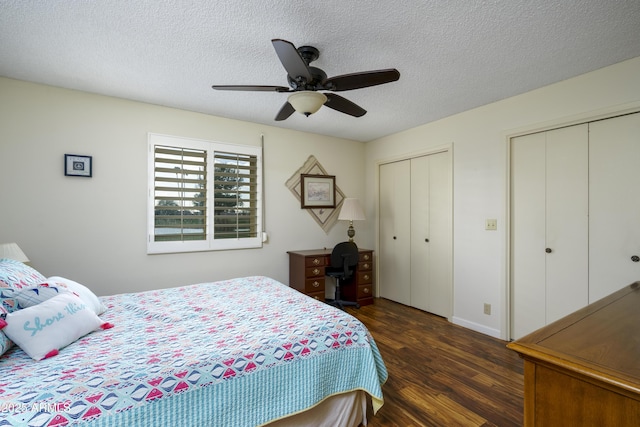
351	211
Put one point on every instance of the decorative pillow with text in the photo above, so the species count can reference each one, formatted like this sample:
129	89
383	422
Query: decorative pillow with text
45	328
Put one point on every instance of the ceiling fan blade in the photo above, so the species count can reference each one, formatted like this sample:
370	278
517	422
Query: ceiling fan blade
252	88
360	80
343	105
291	59
285	112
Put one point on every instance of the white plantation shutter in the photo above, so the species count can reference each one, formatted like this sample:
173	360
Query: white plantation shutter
180	188
235	196
203	195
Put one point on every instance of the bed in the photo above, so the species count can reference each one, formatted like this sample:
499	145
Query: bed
244	352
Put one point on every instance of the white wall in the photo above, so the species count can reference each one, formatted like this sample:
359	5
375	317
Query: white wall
480	175
93	230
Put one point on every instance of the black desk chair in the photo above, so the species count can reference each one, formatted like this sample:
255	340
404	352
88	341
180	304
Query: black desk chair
344	259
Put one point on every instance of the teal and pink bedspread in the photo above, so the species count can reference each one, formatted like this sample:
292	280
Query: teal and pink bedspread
240	352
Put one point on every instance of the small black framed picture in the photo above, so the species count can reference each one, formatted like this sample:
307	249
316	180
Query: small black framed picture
75	165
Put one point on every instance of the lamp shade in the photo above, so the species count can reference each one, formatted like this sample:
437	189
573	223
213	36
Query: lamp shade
307	102
351	210
12	251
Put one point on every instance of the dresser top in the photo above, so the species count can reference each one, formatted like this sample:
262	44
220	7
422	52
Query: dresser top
601	340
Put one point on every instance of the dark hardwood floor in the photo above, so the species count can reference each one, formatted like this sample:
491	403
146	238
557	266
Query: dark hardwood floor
441	374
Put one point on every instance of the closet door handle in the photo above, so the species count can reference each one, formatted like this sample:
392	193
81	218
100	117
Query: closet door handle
635	258
394	237
426	240
548	250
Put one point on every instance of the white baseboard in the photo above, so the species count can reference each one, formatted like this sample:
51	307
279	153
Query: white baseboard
476	327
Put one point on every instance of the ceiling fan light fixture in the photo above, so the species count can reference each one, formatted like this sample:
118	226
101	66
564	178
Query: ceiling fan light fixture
305	82
307	102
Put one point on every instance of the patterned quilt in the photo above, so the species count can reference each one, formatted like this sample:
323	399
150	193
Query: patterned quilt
240	352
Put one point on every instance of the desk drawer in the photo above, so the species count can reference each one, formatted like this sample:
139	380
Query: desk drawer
366	257
315	261
314	272
365	266
365	291
365	277
317	295
315	285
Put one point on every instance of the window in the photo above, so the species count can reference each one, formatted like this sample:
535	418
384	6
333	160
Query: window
203	195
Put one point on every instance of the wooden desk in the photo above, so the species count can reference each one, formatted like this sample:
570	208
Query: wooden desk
584	369
306	274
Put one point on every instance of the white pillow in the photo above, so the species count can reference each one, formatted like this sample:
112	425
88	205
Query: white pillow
83	292
45	328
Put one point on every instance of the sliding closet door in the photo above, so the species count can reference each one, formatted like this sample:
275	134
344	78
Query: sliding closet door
614	164
394	252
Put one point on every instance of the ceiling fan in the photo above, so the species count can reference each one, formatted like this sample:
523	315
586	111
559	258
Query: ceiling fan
306	82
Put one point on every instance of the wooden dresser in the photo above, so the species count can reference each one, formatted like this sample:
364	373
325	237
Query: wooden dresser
306	274
584	369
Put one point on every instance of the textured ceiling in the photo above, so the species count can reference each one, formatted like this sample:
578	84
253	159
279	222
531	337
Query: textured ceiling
452	55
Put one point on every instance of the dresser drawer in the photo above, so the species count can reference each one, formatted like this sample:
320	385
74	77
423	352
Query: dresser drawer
314	285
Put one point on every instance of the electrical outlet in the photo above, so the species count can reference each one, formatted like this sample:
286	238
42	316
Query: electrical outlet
491	224
487	308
